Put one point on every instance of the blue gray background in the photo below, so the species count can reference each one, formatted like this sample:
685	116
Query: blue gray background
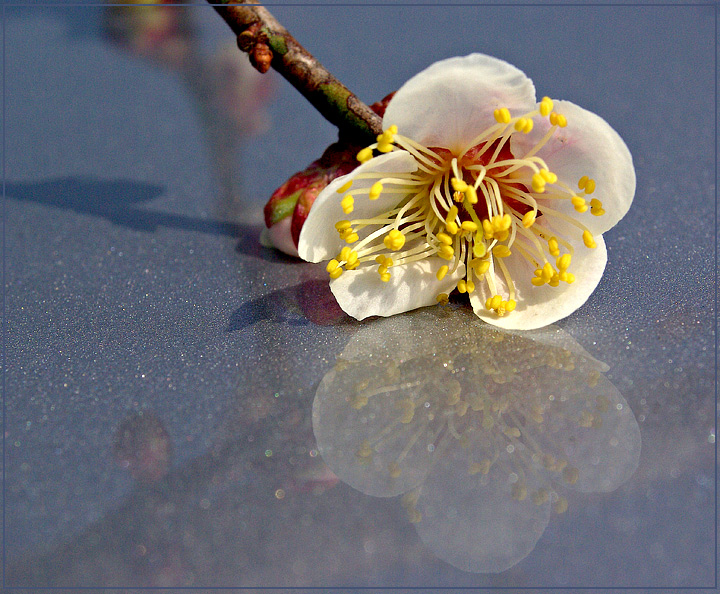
135	287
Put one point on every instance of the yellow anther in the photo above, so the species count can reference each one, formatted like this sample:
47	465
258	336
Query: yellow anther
546	106
347	204
394	240
493	302
385	276
561	120
547	272
351	238
446	252
444	238
443	298
375	190
365	155
471	195
470	286
521	123
502	115
588	240
393	129
343	225
511	304
538	183
384	147
452	227
590	186
345	187
579	203
596	207
458	185
570	278
332	265
537	281
502	223
548	176
336	273
563	262
479	248
469	226
501	251
482	267
554	281
528	219
385	137
462	286
352	260
442	272
345	253
488	228
583	181
553	246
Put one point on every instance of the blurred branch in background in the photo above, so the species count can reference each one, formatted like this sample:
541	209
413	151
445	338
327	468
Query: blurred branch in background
268	44
229	95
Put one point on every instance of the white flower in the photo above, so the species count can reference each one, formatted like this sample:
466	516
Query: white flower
475	186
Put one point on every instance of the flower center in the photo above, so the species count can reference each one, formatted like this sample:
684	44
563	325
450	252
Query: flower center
478	208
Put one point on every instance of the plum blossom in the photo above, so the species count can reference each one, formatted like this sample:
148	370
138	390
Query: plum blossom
474	186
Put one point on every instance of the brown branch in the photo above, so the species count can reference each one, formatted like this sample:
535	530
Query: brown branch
268	43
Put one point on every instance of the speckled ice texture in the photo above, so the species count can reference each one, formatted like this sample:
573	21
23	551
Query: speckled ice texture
161	366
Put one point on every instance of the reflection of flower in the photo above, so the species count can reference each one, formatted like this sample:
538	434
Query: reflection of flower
485	190
481	430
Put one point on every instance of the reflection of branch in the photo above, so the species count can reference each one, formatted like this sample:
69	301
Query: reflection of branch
268	43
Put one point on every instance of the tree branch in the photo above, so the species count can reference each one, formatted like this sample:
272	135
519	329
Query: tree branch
268	43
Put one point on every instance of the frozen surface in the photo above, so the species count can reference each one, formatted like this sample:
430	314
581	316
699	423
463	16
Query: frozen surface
162	367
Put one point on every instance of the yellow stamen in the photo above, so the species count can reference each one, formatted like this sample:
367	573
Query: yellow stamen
502	115
375	190
347	204
365	155
546	106
394	240
588	239
442	272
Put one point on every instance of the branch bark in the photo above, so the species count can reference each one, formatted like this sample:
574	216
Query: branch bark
268	43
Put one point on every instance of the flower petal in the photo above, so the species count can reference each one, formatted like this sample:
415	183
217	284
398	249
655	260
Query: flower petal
361	293
540	306
318	239
586	146
278	237
451	102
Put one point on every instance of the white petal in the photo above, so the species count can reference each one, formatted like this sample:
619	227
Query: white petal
586	146
278	236
361	293
318	239
452	101
540	306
